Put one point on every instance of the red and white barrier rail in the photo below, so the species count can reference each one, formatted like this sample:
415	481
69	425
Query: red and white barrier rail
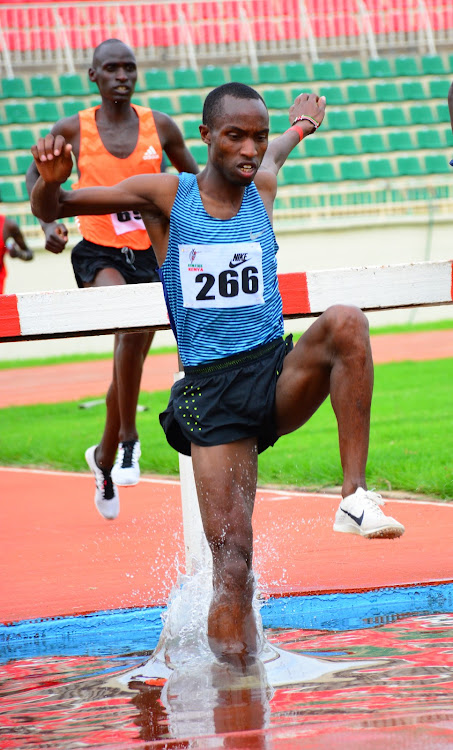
89	312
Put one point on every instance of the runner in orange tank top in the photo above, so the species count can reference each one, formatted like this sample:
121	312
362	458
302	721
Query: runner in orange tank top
111	142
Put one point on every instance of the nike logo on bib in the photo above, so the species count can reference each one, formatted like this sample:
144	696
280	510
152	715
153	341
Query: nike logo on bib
358	520
238	259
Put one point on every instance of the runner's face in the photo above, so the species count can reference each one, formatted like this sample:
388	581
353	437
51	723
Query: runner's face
238	141
115	72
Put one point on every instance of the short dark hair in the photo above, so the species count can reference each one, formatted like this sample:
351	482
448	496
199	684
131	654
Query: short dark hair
105	43
212	107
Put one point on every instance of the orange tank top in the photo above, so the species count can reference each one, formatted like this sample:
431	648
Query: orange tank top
97	166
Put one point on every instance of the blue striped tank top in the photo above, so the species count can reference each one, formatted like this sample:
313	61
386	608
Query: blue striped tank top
220	277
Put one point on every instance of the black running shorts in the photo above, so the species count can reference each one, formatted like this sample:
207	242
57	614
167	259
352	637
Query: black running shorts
135	266
226	400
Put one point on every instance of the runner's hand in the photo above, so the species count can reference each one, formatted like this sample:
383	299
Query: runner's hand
310	105
56	237
53	158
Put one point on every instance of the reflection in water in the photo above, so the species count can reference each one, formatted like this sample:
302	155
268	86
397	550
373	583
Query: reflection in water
74	702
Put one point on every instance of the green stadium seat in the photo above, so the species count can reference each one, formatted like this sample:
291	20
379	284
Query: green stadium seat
421	114
22	139
17	112
185	78
296	72
14	88
406	65
71	107
379	67
438	88
190	104
366	118
325	70
242	74
4	146
317	147
6	168
200	153
72	84
380	168
46	111
352	170
413	90
278	122
442	113
372	143
8	192
293	174
400	140
270	73
323	171
433	65
436	164
43	131
156	79
338	119
448	137
43	85
393	117
23	161
334	95
429	138
408	166
344	145
212	76
387	91
359	93
275	98
161	104
352	69
190	127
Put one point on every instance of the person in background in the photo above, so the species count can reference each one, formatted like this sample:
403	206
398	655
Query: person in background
12	243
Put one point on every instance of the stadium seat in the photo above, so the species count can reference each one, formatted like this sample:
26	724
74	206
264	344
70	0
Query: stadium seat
433	65
242	74
448	137
190	104
406	65
429	138
438	88
17	112
366	118
23	138
293	174
372	143
213	75
275	98
421	114
338	119
72	84
156	79
437	164
317	147
270	73
14	88
324	70
408	166
413	90
200	153
323	171
296	72
387	91
185	78
23	161
43	85
379	67
190	127
359	93
71	107
344	145
6	168
352	69
352	170
450	62
400	140
46	111
3	144
334	95
380	168
161	104
278	122
393	117
8	192
442	113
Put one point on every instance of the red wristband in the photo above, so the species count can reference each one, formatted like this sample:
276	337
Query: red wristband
298	129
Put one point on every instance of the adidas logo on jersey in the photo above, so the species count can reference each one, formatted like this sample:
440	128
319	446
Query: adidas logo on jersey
150	153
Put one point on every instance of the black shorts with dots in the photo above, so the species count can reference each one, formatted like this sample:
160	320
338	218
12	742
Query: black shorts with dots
227	399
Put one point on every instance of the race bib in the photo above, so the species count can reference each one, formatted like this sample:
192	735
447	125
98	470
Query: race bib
127	221
226	275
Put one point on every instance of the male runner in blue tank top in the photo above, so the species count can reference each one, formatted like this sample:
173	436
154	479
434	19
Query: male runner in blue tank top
244	386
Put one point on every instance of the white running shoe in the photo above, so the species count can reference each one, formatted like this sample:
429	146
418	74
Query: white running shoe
360	514
106	498
126	471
